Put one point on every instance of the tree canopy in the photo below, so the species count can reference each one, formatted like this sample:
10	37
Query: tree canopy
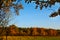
5	6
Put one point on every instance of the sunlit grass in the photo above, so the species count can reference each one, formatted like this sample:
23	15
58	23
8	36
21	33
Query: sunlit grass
31	38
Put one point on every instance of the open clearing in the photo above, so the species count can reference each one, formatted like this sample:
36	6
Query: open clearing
31	38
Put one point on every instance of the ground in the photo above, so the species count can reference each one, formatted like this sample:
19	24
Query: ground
31	38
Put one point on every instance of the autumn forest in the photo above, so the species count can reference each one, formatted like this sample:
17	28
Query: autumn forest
13	30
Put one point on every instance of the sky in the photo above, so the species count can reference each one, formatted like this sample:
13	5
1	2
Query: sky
31	17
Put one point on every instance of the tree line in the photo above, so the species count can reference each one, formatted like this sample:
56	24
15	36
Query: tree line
13	30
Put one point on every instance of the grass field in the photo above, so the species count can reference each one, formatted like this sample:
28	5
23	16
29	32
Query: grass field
30	38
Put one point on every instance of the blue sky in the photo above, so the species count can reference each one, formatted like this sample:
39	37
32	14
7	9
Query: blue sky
31	17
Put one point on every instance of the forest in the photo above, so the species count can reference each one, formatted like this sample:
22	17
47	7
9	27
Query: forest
13	30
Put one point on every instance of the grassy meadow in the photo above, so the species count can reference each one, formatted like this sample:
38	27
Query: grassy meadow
30	38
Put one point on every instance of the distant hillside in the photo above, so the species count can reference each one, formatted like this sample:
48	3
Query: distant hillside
13	30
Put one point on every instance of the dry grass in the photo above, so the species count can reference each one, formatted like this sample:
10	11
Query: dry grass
30	38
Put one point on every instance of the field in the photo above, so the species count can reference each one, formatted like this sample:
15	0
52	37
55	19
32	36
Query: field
30	38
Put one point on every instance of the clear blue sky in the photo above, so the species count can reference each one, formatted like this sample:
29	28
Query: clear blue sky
31	17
